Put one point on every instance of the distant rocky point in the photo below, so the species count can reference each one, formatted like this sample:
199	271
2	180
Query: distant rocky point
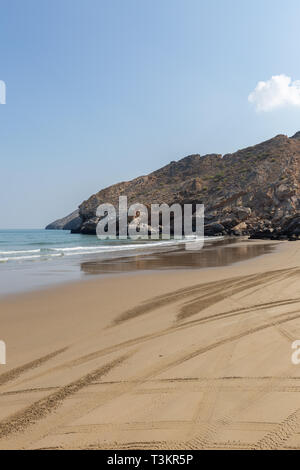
254	191
70	222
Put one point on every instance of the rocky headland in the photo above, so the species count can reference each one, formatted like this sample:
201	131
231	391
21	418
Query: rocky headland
72	221
254	191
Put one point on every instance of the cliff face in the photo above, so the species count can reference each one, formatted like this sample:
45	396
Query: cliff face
70	222
253	190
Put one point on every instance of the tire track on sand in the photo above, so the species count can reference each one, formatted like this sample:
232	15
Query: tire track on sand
176	296
41	408
282	432
201	303
207	289
14	373
172	329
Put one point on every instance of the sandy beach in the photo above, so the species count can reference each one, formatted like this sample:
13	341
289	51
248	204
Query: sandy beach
186	359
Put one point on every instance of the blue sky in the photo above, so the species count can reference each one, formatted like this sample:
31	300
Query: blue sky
100	91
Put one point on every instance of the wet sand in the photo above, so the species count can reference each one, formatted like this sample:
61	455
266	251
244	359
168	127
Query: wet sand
183	359
18	277
214	254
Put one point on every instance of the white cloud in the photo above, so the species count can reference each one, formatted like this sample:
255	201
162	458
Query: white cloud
277	92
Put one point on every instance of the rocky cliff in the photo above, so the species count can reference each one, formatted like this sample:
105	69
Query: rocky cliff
70	222
254	191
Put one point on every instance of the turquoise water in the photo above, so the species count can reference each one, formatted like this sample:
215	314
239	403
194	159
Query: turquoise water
30	245
21	246
31	259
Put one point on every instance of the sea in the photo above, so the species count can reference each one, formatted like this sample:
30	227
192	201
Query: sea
34	259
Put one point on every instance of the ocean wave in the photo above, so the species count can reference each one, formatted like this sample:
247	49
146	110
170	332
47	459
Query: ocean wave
46	253
28	258
18	252
121	247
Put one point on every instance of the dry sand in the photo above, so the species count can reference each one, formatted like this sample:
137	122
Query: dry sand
165	360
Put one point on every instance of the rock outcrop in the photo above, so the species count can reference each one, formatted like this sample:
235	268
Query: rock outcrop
254	191
70	222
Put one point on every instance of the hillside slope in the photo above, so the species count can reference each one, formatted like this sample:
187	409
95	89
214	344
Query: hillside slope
253	191
70	222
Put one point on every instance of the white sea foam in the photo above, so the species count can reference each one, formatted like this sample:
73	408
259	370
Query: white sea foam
32	257
18	252
47	253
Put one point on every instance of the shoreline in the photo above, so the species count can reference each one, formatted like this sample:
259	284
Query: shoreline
18	279
154	360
